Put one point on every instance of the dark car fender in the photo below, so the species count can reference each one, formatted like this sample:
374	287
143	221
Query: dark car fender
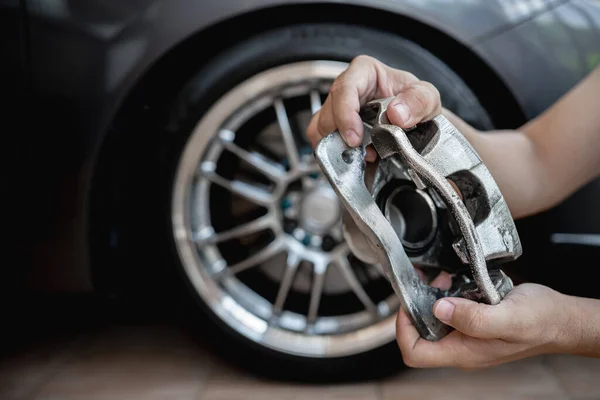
88	55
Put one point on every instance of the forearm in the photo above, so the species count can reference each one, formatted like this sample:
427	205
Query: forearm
541	163
567	139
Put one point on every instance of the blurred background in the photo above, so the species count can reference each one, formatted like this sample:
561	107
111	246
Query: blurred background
161	239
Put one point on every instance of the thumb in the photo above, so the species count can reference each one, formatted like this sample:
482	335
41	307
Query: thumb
417	102
473	319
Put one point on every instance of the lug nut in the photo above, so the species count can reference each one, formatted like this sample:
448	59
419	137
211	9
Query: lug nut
289	225
328	243
299	234
316	241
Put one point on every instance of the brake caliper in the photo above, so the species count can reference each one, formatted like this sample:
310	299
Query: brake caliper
404	210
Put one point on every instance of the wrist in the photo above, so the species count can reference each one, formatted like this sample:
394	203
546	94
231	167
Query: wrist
587	341
580	328
566	330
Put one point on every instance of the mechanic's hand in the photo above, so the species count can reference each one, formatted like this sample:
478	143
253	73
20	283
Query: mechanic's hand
366	79
531	320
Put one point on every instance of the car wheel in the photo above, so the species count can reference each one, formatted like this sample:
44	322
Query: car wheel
255	226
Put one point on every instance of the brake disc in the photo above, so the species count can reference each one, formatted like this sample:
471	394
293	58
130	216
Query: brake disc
403	210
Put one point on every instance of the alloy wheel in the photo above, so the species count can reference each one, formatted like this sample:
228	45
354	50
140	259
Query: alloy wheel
258	228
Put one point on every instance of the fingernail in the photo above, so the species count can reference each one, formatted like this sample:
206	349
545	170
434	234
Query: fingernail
403	111
352	138
443	311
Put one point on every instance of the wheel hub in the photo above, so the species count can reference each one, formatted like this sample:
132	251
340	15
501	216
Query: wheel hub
320	210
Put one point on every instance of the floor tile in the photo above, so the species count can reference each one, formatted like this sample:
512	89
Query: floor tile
521	380
580	376
162	362
226	383
132	363
22	373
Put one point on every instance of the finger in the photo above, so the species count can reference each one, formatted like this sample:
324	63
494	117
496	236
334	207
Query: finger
421	274
312	131
314	135
365	79
417	102
371	155
322	123
421	353
349	90
407	335
345	103
442	281
474	319
455	187
339	112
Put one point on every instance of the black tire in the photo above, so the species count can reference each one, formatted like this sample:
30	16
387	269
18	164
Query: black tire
277	47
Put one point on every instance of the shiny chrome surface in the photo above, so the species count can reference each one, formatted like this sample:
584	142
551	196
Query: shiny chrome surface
314	211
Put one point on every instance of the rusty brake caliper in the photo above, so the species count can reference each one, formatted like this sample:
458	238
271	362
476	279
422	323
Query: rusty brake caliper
402	210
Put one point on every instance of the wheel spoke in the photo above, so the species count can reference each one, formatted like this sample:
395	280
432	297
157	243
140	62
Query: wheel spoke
272	249
315	101
270	169
287	134
316	291
310	167
286	282
379	270
249	192
248	228
350	276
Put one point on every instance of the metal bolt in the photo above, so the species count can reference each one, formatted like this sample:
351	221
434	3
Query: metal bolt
286	203
328	243
299	234
316	241
306	239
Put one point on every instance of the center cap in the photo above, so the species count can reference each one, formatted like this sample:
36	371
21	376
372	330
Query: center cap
320	210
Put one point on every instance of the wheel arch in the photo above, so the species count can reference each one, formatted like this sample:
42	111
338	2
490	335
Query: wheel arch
451	44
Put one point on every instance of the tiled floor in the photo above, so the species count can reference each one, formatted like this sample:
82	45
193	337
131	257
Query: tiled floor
163	362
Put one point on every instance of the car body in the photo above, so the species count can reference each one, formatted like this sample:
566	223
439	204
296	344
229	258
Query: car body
75	68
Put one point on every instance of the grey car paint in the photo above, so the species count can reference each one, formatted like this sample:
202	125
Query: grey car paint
86	56
118	41
569	35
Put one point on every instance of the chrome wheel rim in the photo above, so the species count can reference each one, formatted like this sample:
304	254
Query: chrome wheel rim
301	215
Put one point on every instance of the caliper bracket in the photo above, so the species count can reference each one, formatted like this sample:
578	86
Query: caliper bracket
430	154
